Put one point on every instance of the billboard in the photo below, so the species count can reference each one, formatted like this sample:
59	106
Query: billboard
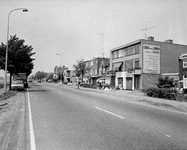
151	59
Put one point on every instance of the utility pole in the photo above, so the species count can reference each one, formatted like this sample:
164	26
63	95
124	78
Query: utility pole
102	34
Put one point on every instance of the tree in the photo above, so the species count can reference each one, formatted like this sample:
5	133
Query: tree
80	69
165	82
40	75
19	57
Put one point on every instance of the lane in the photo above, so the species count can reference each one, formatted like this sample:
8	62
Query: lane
162	122
66	118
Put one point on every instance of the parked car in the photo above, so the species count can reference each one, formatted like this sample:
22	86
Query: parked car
30	80
39	81
49	80
17	85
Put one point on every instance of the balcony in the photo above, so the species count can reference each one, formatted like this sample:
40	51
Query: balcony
135	70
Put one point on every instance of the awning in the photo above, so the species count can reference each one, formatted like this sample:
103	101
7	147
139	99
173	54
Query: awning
116	66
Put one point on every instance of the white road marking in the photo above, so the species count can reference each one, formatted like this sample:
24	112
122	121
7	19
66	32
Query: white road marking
32	137
168	135
60	93
110	112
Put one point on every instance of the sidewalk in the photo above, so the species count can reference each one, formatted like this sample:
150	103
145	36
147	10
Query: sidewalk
139	97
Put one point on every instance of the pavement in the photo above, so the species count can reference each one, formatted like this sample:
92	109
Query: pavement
140	97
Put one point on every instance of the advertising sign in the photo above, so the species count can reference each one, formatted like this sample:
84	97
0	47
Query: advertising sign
151	59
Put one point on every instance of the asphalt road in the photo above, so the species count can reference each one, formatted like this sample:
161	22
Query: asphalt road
66	118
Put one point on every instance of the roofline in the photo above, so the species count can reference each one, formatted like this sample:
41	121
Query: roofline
140	40
126	45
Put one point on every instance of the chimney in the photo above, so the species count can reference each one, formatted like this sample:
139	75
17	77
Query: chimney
169	41
151	38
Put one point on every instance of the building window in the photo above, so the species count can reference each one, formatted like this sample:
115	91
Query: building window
91	72
91	63
136	64
184	76
128	65
96	71
132	50
117	54
185	63
120	53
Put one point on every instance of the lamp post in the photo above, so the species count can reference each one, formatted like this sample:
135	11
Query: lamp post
61	66
6	57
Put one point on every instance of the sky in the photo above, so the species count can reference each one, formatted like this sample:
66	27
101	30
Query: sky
74	28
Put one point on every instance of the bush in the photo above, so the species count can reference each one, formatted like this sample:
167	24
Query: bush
181	97
86	85
161	93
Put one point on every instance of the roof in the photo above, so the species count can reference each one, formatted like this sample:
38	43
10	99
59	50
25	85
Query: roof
140	40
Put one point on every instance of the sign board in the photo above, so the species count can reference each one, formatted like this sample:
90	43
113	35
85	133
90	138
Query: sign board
151	59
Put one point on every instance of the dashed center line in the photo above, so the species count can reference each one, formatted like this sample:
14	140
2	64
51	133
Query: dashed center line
60	93
109	112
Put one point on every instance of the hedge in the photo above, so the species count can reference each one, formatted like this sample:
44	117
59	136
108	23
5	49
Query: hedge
161	93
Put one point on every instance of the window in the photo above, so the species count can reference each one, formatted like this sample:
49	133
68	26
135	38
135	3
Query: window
136	64
120	53
129	65
115	54
132	50
91	63
184	63
96	71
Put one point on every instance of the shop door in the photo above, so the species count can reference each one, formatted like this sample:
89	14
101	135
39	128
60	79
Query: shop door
120	82
129	83
137	82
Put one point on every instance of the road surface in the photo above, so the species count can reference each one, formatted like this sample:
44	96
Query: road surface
67	118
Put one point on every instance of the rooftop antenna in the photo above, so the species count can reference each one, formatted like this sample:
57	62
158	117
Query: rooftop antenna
145	29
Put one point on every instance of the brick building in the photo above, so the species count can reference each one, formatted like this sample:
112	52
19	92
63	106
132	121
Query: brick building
183	71
139	64
98	70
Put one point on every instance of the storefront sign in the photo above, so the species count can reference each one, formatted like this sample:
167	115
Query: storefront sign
151	59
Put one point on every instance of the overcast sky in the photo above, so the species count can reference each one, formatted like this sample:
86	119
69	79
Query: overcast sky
72	28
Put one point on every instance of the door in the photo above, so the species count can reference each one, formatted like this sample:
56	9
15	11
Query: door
129	83
120	82
137	82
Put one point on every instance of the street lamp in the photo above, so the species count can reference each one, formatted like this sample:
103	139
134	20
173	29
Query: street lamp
6	57
61	66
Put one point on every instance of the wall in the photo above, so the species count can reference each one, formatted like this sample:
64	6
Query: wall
169	54
149	80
